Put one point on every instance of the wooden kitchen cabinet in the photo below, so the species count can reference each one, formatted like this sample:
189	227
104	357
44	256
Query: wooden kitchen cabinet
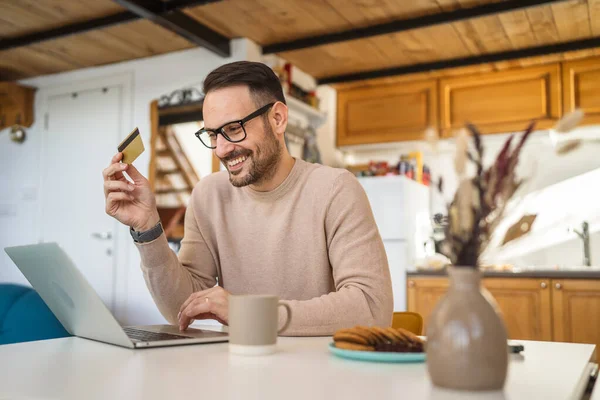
497	102
16	105
576	311
501	102
581	88
386	113
561	310
524	303
525	306
423	294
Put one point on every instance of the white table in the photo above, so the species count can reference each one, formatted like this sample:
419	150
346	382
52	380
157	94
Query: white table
74	368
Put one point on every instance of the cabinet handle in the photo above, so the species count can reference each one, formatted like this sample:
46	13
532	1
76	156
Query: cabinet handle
543	285
558	286
411	283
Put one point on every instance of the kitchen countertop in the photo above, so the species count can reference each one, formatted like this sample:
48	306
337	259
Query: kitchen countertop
564	273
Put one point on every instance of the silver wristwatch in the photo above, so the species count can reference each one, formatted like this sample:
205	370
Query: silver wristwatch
146	236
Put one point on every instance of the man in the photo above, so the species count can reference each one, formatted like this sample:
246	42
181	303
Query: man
270	224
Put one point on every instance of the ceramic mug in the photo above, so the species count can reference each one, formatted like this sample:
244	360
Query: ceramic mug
253	321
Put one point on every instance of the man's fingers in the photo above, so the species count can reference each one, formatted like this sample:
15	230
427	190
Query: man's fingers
207	315
118	175
191	298
114	172
194	296
116	158
114	197
134	173
196	307
115	186
209	301
202	316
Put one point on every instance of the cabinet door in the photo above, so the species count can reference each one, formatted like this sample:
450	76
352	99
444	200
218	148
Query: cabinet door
525	306
386	113
501	102
581	85
423	295
576	311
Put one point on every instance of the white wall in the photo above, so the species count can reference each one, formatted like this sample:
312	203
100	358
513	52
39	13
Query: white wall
538	164
20	164
326	138
566	254
19	174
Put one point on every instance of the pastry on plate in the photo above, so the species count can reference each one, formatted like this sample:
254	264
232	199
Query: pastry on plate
375	338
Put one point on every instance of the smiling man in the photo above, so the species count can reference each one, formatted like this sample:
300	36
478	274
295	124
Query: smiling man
270	224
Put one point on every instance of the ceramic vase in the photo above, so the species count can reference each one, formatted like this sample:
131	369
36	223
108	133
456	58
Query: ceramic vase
466	338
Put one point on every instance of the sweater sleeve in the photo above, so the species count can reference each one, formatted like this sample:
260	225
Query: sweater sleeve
171	279
363	289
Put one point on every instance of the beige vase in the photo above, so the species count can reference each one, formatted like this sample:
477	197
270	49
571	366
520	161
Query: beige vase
466	339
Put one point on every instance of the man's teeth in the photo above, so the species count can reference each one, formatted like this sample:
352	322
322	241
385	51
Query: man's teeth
236	161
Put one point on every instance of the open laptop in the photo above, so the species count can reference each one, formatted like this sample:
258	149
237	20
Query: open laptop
81	311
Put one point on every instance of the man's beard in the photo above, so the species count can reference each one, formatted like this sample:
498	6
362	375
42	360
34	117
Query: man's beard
261	164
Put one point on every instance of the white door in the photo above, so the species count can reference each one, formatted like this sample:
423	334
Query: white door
82	133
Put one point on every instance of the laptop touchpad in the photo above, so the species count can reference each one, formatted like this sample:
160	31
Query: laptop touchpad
191	332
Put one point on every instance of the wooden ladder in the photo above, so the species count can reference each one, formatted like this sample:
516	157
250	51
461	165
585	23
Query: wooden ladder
183	167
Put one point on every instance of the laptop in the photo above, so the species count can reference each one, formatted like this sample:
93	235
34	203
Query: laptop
81	311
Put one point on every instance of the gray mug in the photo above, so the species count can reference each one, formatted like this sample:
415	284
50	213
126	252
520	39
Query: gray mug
253	321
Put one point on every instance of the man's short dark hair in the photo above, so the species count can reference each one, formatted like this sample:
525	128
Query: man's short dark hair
264	85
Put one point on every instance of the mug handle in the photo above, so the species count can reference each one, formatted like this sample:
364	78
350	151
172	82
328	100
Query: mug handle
288	319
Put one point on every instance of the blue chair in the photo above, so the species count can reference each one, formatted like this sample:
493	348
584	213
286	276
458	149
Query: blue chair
25	317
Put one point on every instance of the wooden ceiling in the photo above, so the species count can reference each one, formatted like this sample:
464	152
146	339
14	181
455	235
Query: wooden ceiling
122	42
272	21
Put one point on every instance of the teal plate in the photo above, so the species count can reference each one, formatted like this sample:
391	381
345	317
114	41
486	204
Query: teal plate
376	356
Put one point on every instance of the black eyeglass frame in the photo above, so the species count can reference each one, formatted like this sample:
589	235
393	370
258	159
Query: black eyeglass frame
242	121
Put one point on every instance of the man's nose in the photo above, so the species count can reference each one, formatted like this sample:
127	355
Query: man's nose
224	146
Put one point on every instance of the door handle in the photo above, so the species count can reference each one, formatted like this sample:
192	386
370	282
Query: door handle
102	235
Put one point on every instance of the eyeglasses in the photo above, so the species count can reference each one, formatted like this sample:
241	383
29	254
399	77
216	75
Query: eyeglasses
233	131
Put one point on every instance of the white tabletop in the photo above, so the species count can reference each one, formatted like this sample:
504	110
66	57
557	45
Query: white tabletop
74	368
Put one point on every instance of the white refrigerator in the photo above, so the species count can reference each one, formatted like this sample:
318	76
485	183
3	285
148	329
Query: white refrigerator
402	213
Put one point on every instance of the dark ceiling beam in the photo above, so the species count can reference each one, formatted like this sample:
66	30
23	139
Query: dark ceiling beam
467	61
180	24
67	30
173	5
404	25
93	24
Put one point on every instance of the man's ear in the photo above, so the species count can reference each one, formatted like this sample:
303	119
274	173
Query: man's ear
279	118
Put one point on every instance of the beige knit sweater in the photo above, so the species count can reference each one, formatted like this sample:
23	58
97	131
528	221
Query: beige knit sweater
312	241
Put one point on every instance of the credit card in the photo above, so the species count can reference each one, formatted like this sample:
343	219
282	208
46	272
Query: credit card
131	147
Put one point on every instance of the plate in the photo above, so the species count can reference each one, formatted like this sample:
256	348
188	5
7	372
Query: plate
377	356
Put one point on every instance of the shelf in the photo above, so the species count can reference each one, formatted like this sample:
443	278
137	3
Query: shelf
316	117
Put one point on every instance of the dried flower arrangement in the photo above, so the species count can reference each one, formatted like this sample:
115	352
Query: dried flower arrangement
479	202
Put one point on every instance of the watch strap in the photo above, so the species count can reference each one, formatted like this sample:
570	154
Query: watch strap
147	236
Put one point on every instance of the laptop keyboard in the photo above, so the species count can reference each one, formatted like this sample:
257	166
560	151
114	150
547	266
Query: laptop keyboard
147	336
